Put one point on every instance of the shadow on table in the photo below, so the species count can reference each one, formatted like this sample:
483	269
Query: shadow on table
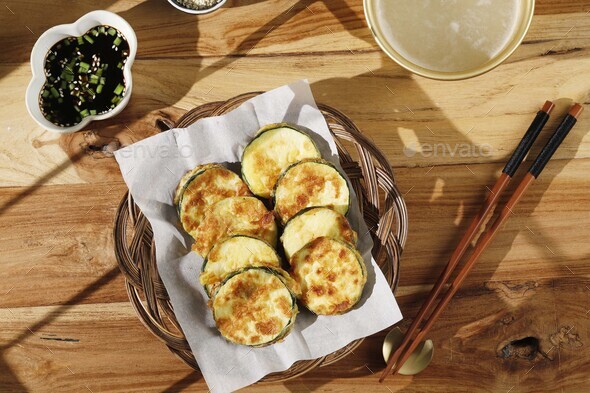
39	183
120	130
554	249
86	151
184	383
7	377
405	111
373	86
485	269
146	14
409	111
540	186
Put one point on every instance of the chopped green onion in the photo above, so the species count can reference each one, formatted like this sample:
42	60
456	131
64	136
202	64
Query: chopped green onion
76	71
83	67
119	89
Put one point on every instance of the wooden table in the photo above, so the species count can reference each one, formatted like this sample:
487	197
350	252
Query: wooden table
520	324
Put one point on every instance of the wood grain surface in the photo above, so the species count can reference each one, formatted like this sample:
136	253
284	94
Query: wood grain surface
520	324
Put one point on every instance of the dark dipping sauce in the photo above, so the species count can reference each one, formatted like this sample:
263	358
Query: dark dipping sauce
84	76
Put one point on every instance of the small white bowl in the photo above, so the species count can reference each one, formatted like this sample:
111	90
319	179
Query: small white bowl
196	12
58	33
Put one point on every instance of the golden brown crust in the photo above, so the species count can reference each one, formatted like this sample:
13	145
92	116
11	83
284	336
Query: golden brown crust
310	183
254	307
331	274
186	177
275	147
235	216
212	184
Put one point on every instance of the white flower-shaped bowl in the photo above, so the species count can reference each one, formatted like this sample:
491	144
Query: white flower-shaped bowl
57	33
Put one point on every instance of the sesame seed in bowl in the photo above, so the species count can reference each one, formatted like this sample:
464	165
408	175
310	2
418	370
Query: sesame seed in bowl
197	6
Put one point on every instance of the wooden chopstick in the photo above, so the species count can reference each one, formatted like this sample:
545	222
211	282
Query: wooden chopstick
534	171
511	166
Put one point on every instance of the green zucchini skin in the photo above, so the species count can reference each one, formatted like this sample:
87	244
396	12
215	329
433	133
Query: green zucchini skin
186	180
276	154
281	182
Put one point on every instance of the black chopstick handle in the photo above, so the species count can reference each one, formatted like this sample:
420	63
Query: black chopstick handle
558	136
528	139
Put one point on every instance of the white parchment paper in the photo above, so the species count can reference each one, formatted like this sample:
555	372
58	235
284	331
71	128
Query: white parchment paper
152	169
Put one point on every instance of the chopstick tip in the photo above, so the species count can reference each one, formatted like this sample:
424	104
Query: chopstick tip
548	107
575	110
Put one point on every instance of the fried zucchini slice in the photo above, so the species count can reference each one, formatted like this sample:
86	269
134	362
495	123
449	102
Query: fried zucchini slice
331	274
312	223
201	188
240	215
234	253
275	147
310	183
255	306
185	180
